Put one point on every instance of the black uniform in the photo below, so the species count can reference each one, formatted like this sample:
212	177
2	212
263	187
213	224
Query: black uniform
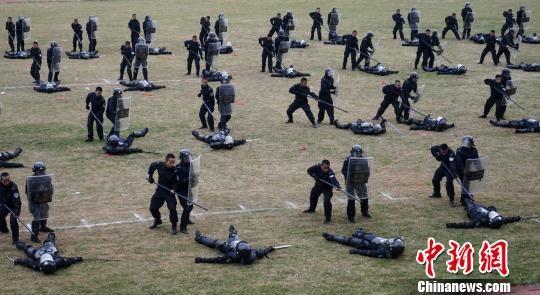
52	65
276	23
267	53
317	22
351	46
506	41
35	53
424	43
50	88
522	126
480	217
205	30
77	36
209	59
462	155
509	21
391	95
10	28
378	69
91	28
19	26
5	156
182	172
95	114
230	249
300	101
166	178
127	61
497	93
135	28
325	94
207	95
521	15
10	198
47	253
123	146
429	57
218	141
408	87
490	47
532	67
363	128
398	25
364	52
446	169
465	12
140	85
111	113
451	24
368	244
429	124
319	188
195	54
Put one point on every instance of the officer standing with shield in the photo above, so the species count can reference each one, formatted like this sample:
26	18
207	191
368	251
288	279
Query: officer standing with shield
112	103
54	56
77	35
282	46
325	181
10	204
22	29
91	29
325	94
187	174
468	18
467	151
225	96
414	20
149	28
141	58
211	49
221	27
356	170
333	21
40	191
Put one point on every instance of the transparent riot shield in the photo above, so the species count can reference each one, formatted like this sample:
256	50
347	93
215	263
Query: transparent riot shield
40	191
123	114
93	20
151	29
194	180
223	27
358	173
27	29
474	175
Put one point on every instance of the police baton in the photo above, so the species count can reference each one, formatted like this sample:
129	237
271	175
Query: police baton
180	196
19	219
339	189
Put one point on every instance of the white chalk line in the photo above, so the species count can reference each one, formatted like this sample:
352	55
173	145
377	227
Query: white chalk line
392	198
95	83
291	205
537	220
241	207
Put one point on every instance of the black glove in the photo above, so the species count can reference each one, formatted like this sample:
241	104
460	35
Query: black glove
87	107
151	179
199	95
198	259
17	261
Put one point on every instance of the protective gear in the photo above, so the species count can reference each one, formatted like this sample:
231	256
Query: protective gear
48	266
185	156
467	141
481	216
113	140
117	92
329	72
369	244
356	151
414	76
117	145
370	35
396	247
39	168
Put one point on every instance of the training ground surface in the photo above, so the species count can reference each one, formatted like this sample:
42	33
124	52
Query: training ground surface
269	173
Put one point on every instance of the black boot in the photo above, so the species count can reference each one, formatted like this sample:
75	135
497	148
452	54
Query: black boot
174	230
155	224
44	228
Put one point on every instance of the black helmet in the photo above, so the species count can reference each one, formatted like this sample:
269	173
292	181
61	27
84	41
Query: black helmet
281	33
243	249
117	91
396	246
48	267
467	141
356	151
511	31
113	140
39	167
370	35
185	156
414	76
495	219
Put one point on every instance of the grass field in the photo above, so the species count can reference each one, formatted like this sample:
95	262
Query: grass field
267	174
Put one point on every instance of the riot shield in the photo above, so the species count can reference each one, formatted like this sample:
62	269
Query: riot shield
227	93
27	29
335	17
511	87
194	179
123	113
283	50
358	171
40	191
336	94
151	29
527	19
213	49
223	29
473	176
56	55
93	20
142	51
415	19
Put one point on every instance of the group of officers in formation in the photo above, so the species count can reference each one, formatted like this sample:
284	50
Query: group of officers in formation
182	180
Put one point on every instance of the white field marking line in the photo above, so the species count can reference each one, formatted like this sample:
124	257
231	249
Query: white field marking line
291	205
106	81
84	222
537	220
138	217
392	198
241	207
94	84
